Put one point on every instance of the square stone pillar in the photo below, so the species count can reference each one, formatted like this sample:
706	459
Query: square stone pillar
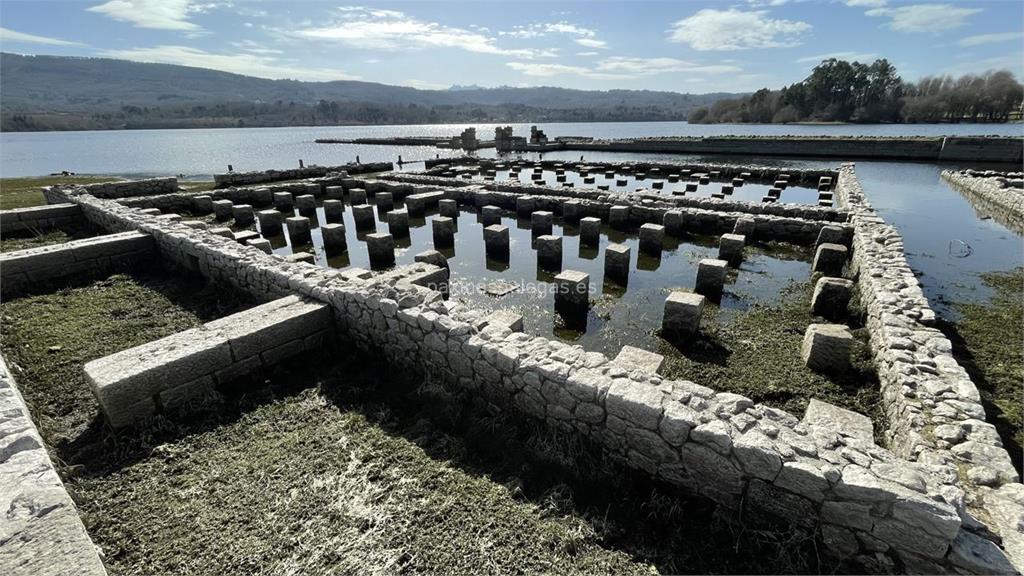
334	192
745	226
496	241
357	196
829	259
261	244
398	223
283	201
542	223
334	237
711	277
571	210
618	217
364	217
590	231
222	209
730	248
444	232
682	315
243	214
549	252
270	222
334	210
385	201
826	347
490	215
202	204
382	250
831	235
306	204
448	208
525	205
651	238
831	297
616	263
298	230
572	291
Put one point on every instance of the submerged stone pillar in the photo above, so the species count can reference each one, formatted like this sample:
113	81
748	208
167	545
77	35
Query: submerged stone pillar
730	248
616	263
829	259
496	241
490	215
572	292
444	232
270	222
382	250
334	210
283	201
651	238
298	230
549	252
618	217
385	201
682	315
711	277
542	223
334	237
363	216
306	204
243	214
448	208
398	223
222	209
590	231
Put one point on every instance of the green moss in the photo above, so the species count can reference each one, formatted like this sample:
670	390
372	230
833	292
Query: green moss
25	192
346	468
987	343
756	353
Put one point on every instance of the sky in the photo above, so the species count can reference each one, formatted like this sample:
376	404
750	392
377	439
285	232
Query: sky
683	46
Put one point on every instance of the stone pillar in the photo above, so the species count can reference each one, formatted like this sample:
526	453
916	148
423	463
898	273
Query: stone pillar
572	292
261	244
730	248
831	235
283	201
357	196
745	226
490	215
590	231
691	187
222	209
242	214
542	223
726	189
496	242
571	210
651	238
270	222
334	210
306	204
202	204
298	230
525	206
364	217
831	297
780	184
618	217
682	315
385	201
334	192
711	277
382	250
829	259
737	182
826	347
444	232
549	252
398	223
448	208
616	263
334	237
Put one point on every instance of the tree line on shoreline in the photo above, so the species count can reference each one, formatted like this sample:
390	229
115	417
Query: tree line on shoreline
841	91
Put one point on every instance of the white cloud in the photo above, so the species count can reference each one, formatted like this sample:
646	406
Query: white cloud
1012	62
863	57
591	43
587	53
425	85
981	39
7	35
866	3
732	29
621	68
392	30
924	17
157	14
249	64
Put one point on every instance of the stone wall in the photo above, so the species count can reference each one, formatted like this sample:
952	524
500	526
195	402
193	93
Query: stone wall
41	533
864	501
129	188
933	408
258	177
992	195
27	268
39	218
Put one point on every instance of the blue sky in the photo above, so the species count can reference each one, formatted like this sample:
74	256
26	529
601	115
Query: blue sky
670	45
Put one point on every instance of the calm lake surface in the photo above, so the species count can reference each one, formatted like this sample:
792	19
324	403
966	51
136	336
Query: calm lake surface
947	241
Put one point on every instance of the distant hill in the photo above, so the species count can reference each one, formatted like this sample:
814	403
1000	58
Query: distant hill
68	93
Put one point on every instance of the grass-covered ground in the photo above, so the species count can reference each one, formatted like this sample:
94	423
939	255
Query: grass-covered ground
988	341
337	466
25	192
756	353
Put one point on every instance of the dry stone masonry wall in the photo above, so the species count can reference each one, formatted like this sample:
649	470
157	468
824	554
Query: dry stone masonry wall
866	502
998	195
258	177
39	218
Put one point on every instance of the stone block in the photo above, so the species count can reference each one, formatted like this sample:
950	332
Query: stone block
832	235
730	248
202	204
448	208
651	238
571	210
306	204
270	222
505	319
549	251
333	235
298	230
243	214
831	297
835	419
261	244
222	209
385	201
711	277
682	314
496	241
283	201
357	196
572	291
398	223
444	232
334	210
490	215
542	223
631	358
829	259
364	217
745	226
381	248
243	237
618	217
616	263
334	192
827	347
590	231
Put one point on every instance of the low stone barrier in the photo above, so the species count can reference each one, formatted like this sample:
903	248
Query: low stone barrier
129	188
258	177
863	501
933	408
991	195
24	268
41	533
186	367
39	218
